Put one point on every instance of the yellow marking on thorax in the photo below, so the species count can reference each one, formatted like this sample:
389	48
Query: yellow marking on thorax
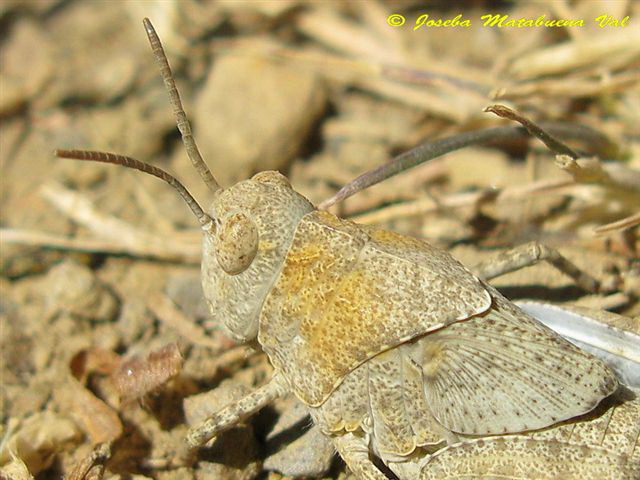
345	320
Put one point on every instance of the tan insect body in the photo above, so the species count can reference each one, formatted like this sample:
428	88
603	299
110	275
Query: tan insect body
329	297
346	294
390	342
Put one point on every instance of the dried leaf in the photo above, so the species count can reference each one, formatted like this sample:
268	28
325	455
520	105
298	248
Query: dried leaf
38	439
137	377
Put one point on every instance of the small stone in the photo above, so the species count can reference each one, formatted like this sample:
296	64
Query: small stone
26	65
183	473
73	288
301	450
245	126
311	455
92	63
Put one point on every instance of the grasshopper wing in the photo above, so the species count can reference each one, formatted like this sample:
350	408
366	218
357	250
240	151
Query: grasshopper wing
504	372
347	293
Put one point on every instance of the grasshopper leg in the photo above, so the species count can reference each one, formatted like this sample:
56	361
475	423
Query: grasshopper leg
355	453
530	254
236	412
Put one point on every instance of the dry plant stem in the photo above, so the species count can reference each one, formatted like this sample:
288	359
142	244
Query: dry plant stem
163	308
530	254
132	240
554	144
437	148
236	412
90	245
231	357
613	301
152	211
370	76
387	51
39	239
181	117
562	88
10	428
81	210
612	175
575	55
619	225
427	205
422	77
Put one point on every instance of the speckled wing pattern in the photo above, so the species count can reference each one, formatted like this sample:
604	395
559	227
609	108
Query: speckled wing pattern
606	447
347	293
504	372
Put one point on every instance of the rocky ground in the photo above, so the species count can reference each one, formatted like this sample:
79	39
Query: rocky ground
100	265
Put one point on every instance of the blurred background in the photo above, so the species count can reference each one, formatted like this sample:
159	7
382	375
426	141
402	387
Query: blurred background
100	263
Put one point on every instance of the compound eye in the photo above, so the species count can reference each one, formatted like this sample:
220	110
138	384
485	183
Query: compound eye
272	177
236	243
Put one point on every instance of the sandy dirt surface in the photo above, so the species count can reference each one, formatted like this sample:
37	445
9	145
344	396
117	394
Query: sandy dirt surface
108	350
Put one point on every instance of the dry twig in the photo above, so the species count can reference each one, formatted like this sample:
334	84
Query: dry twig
427	205
619	225
163	308
122	237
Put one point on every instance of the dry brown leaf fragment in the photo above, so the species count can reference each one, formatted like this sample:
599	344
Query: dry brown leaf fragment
100	421
137	377
37	440
92	360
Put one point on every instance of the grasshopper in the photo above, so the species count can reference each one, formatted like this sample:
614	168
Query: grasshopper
393	345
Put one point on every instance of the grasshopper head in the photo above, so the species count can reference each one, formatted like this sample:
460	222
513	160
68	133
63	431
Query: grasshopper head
244	251
247	230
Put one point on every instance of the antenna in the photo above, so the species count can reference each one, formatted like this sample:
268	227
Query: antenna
181	117
205	220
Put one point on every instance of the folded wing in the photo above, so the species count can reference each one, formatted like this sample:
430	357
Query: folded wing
503	372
